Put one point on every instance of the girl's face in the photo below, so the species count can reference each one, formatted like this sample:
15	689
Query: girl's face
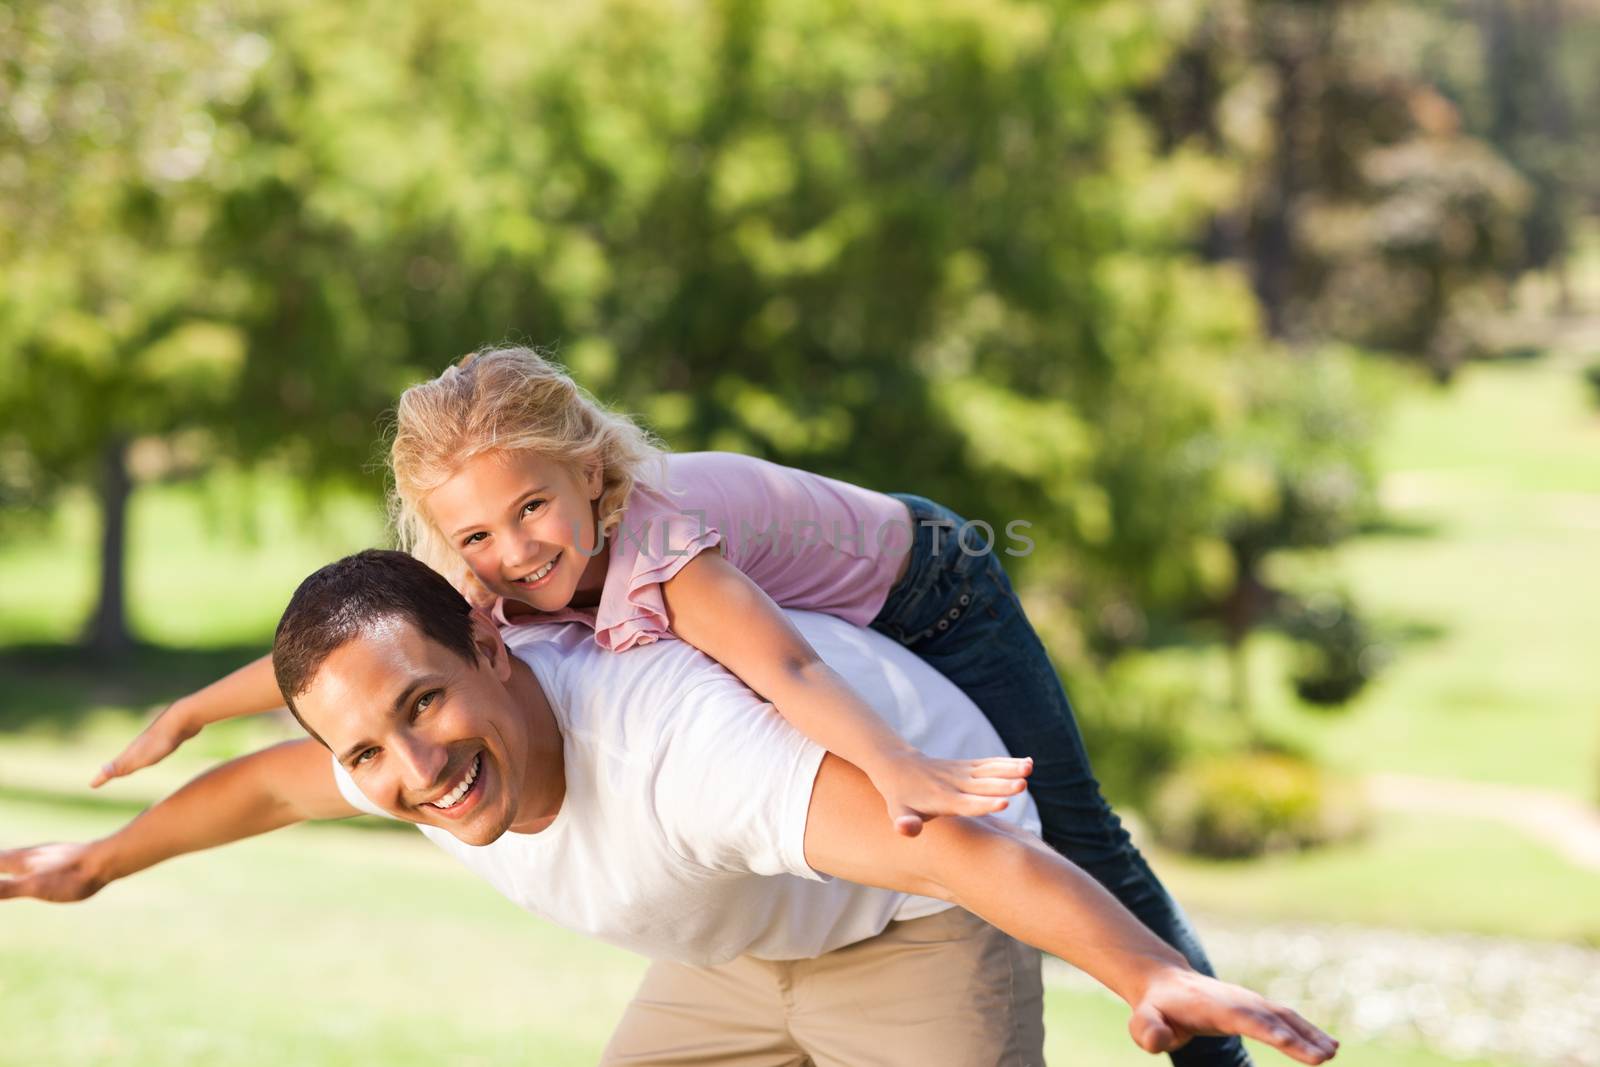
525	525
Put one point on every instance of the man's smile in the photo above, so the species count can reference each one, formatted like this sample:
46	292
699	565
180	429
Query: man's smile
464	795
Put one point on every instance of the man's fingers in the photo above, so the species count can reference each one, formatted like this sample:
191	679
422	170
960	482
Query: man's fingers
1267	1028
1308	1030
1151	1032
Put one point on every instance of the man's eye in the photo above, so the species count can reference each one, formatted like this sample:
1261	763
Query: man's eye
425	700
364	755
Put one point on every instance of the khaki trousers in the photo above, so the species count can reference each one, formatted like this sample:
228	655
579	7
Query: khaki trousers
947	990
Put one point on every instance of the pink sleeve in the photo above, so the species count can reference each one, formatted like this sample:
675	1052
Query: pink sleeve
652	543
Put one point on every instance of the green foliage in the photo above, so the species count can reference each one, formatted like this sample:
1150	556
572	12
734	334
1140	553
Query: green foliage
1365	213
1337	655
1235	806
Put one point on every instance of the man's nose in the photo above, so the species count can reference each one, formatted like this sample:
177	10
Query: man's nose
422	764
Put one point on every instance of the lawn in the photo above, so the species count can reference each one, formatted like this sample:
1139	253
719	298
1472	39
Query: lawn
350	943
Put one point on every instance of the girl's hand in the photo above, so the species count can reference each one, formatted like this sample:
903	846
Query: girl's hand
917	788
155	743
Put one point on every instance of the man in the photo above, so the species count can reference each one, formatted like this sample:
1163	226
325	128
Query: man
649	799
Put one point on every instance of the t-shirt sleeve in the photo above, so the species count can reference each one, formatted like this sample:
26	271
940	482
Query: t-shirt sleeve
351	792
733	784
655	539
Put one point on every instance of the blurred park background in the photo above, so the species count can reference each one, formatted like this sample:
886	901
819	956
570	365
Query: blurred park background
1279	320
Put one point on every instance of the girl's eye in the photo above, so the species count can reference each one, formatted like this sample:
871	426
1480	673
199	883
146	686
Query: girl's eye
533	505
364	755
472	539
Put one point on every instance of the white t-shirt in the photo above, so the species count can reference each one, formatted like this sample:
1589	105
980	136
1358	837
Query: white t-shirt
681	835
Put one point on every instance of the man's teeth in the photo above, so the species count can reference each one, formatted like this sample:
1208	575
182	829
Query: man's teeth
542	571
450	799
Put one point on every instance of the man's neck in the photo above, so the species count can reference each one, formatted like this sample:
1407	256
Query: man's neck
544	784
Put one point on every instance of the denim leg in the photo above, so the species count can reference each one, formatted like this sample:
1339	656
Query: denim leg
960	615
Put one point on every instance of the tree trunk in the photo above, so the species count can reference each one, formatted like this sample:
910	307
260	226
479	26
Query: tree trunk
108	626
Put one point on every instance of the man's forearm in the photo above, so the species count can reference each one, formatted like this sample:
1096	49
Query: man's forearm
251	795
1006	877
1017	883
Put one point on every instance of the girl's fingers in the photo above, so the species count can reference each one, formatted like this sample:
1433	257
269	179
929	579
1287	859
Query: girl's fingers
1005	767
981	805
993	787
106	772
907	823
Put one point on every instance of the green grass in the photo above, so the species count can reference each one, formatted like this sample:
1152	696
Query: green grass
1481	583
330	945
1420	872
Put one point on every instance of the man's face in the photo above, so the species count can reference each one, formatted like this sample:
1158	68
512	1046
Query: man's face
427	736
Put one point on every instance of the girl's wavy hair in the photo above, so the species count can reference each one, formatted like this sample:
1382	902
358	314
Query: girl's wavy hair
505	399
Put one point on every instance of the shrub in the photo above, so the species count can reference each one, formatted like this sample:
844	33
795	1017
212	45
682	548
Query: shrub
1243	805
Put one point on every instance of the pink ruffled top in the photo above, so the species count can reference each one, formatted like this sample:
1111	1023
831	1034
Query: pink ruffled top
809	542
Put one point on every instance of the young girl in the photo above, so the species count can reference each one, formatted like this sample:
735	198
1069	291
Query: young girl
541	505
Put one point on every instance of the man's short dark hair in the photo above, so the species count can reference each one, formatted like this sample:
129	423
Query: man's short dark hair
345	599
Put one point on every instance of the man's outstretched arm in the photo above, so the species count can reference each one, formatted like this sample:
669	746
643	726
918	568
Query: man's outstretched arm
1015	882
266	790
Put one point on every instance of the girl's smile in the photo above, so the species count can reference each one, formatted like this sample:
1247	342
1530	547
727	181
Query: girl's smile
525	527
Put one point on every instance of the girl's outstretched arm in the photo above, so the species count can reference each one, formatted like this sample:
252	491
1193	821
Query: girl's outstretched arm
717	608
249	690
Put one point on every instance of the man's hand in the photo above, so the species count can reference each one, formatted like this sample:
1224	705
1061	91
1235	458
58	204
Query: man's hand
61	873
917	788
158	740
1187	1004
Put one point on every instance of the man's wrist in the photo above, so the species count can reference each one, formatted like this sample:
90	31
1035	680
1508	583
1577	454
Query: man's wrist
183	717
1148	972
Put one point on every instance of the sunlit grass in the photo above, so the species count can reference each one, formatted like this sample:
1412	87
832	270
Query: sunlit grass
331	945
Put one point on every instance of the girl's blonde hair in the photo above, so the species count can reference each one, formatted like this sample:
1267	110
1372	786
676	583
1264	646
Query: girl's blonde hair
504	399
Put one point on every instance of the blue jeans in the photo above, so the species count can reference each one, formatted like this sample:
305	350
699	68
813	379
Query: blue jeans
955	609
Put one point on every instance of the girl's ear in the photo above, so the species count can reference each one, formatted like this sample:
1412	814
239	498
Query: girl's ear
594	479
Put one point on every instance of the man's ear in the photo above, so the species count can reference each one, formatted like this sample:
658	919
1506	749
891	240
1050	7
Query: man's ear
492	650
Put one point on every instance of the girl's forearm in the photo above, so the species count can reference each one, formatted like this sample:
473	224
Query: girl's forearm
820	704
